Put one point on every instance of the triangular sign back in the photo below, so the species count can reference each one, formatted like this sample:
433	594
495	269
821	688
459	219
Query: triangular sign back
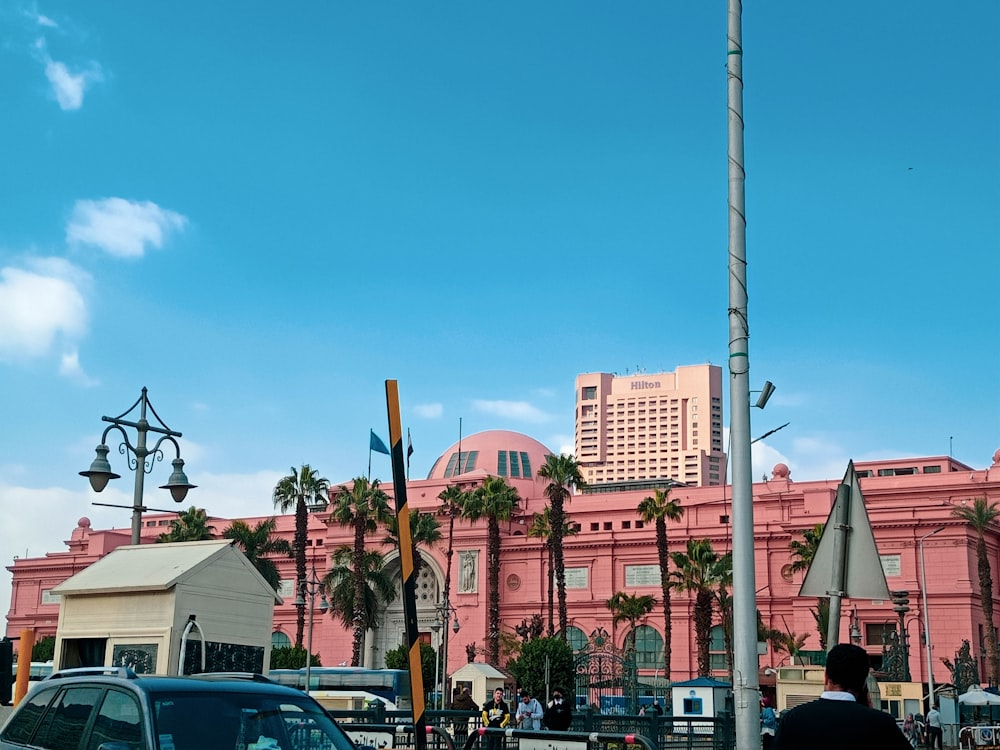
864	577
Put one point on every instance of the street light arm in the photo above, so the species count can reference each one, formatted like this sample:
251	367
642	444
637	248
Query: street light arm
157	453
144	403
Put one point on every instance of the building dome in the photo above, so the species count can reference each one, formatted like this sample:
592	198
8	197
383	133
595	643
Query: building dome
500	453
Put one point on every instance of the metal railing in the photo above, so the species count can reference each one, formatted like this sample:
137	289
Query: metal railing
464	727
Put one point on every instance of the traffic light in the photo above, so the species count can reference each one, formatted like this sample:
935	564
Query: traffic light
900	602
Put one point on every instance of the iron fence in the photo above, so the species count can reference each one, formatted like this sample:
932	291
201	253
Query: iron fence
461	728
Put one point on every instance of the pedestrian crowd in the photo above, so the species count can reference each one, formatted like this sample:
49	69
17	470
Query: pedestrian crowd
529	713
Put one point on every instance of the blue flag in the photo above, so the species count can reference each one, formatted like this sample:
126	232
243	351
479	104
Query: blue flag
376	444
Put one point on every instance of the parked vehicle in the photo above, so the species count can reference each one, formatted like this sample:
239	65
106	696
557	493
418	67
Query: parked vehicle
351	687
39	670
114	709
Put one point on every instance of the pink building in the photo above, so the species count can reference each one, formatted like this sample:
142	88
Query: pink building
614	551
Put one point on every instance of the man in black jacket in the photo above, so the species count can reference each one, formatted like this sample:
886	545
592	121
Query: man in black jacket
558	714
841	718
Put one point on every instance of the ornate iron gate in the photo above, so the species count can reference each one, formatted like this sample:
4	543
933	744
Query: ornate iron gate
606	677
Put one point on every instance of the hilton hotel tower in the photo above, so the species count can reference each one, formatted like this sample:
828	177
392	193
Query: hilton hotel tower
638	428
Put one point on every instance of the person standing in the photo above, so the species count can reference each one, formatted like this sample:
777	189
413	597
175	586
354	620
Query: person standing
559	714
463	702
496	715
529	712
842	716
768	724
934	733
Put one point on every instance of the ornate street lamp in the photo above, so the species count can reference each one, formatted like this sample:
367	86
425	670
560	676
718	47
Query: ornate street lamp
855	628
901	601
309	587
444	611
140	459
927	616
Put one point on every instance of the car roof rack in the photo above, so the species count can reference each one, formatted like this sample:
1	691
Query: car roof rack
124	672
250	676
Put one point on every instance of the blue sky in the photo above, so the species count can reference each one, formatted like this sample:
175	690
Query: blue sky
261	213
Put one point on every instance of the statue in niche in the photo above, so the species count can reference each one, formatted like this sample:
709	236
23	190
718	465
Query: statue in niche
468	576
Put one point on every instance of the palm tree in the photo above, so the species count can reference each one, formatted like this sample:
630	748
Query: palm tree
299	490
424	530
563	473
789	642
190	525
630	608
803	553
452	499
541	528
696	573
363	507
660	508
723	576
379	588
257	544
495	501
981	515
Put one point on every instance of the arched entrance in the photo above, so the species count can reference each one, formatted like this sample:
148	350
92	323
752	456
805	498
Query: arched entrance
392	630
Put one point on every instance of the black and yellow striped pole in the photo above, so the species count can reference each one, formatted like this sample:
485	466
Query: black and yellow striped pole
406	562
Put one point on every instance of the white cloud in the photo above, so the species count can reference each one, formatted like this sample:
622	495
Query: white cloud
120	227
69	366
428	411
519	410
68	86
44	20
39	304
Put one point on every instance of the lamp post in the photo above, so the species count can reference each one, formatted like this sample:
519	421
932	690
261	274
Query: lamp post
445	611
436	627
927	618
901	601
855	628
100	472
309	587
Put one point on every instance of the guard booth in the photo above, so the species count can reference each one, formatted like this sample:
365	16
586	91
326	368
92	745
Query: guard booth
702	697
482	680
801	684
177	608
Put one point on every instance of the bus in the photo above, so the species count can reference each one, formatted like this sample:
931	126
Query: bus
39	670
351	687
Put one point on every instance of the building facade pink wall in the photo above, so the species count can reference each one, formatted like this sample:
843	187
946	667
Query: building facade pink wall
614	551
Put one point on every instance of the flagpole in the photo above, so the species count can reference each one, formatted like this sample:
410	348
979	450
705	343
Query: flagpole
369	459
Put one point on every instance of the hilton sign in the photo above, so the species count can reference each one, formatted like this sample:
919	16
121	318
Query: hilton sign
638	385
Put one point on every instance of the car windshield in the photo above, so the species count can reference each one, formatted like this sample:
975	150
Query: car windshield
243	721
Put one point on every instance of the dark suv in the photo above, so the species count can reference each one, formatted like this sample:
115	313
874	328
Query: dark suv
113	709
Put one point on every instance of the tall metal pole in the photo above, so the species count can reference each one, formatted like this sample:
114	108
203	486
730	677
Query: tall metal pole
311	591
927	617
841	530
142	428
436	627
444	655
745	682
